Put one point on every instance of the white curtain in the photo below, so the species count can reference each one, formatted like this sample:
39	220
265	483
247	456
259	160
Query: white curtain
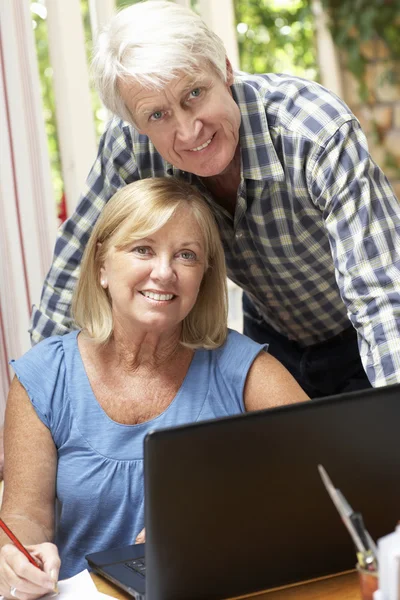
27	208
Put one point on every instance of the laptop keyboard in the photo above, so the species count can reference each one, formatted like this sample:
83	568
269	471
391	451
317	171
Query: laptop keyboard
137	564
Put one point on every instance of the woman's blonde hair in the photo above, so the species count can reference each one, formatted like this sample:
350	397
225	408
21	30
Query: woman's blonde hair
137	211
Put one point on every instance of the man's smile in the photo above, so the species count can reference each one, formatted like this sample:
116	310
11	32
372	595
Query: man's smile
207	143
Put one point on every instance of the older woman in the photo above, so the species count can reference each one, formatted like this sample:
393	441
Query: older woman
153	350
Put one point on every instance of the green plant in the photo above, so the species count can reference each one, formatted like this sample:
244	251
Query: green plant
276	36
355	23
357	26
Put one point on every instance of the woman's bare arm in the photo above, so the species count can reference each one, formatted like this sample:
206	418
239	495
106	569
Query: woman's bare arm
270	384
28	504
29	471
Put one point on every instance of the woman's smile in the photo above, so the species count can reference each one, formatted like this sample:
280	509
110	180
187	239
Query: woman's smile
158	297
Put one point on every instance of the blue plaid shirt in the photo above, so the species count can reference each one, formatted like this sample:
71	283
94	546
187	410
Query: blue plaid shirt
315	238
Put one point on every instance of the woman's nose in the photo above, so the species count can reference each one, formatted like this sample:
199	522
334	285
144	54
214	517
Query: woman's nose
163	270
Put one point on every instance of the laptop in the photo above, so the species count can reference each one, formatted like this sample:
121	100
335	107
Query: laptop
237	505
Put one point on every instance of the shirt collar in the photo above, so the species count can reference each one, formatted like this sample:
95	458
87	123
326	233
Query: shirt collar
259	158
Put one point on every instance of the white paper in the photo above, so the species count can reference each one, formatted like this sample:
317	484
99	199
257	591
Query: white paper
389	565
79	587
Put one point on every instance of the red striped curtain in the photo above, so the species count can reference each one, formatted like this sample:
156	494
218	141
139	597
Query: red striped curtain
27	208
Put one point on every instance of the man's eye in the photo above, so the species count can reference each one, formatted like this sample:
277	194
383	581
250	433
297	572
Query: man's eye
195	93
156	116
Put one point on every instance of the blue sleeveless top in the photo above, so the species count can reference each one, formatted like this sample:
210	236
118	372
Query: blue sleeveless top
99	487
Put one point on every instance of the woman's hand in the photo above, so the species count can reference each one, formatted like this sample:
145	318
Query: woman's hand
141	537
20	579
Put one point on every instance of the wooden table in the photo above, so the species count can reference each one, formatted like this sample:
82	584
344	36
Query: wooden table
338	587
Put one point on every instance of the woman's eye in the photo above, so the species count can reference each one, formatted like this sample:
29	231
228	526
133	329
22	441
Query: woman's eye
195	93
141	250
188	255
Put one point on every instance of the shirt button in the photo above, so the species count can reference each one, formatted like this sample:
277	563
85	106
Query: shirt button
239	235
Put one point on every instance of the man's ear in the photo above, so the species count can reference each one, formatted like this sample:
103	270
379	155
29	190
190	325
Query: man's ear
229	72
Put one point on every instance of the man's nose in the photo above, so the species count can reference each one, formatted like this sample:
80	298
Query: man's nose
188	127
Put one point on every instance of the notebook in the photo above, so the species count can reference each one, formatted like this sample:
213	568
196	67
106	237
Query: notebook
237	505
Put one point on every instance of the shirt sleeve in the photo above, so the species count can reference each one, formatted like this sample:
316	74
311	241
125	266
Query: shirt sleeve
114	167
234	360
362	217
41	371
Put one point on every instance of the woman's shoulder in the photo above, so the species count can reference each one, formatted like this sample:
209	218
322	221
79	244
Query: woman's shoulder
238	352
229	368
50	351
42	371
236	341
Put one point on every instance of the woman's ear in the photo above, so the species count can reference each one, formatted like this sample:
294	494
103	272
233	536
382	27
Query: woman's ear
103	278
103	275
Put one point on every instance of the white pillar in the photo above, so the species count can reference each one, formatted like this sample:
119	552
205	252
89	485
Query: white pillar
74	114
101	13
27	208
219	16
327	53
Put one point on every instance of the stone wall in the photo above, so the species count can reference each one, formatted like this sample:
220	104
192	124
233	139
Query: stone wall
380	114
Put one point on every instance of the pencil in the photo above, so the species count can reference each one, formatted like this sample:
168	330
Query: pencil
18	544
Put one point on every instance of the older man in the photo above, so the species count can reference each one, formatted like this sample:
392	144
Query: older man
310	225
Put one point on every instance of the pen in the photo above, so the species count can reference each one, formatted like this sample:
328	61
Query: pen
361	538
18	544
368	558
366	548
358	522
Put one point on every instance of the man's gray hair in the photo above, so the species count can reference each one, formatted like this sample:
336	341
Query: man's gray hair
148	43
